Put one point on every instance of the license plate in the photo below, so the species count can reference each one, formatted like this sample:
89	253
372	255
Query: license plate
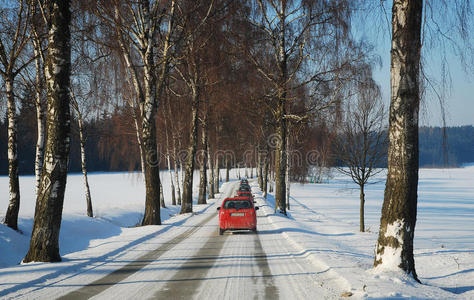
237	214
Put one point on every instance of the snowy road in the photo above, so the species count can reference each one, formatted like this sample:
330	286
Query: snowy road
197	263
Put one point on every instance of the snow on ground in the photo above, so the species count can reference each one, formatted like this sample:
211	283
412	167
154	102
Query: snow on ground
324	221
322	225
118	201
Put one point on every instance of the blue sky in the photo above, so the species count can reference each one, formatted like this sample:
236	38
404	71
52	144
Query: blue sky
372	23
460	99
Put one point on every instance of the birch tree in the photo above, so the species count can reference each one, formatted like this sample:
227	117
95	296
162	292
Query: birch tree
192	72
44	244
203	167
143	30
14	38
38	40
410	27
397	224
82	142
304	44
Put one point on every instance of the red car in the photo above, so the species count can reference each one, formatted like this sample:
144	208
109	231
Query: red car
245	194
237	213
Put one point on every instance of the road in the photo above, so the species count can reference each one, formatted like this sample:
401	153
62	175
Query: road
199	264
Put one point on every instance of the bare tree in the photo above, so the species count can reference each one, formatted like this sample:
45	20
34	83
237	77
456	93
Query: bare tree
14	37
193	73
44	244
168	155
300	44
139	26
82	142
361	144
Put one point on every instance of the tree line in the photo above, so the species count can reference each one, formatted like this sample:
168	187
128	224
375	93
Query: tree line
108	149
178	84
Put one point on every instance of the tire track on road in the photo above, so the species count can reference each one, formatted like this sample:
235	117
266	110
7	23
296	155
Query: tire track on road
192	273
271	290
100	285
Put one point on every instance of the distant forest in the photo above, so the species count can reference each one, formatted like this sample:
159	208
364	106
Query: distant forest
111	146
459	146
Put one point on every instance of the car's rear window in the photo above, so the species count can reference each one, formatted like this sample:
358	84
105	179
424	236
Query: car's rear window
237	204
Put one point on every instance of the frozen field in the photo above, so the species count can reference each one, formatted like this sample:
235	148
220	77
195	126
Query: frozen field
322	226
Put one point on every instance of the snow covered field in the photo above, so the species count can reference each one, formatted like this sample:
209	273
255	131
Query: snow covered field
323	227
325	220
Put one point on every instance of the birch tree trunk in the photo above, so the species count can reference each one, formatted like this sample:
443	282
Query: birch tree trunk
40	118
216	184
44	244
211	170
11	217
280	160
287	171
82	141
280	151
265	173
397	223
176	172
139	141
152	167
187	204
168	160
361	210
173	191
162	196
203	169
260	169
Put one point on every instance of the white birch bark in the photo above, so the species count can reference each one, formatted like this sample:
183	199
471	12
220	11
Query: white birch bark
82	141
40	118
44	244
11	217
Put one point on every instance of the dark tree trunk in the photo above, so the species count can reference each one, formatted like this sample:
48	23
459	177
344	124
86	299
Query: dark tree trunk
203	169
11	217
397	224
187	204
227	169
44	244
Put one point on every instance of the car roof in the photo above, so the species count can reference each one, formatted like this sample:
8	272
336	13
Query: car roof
237	198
